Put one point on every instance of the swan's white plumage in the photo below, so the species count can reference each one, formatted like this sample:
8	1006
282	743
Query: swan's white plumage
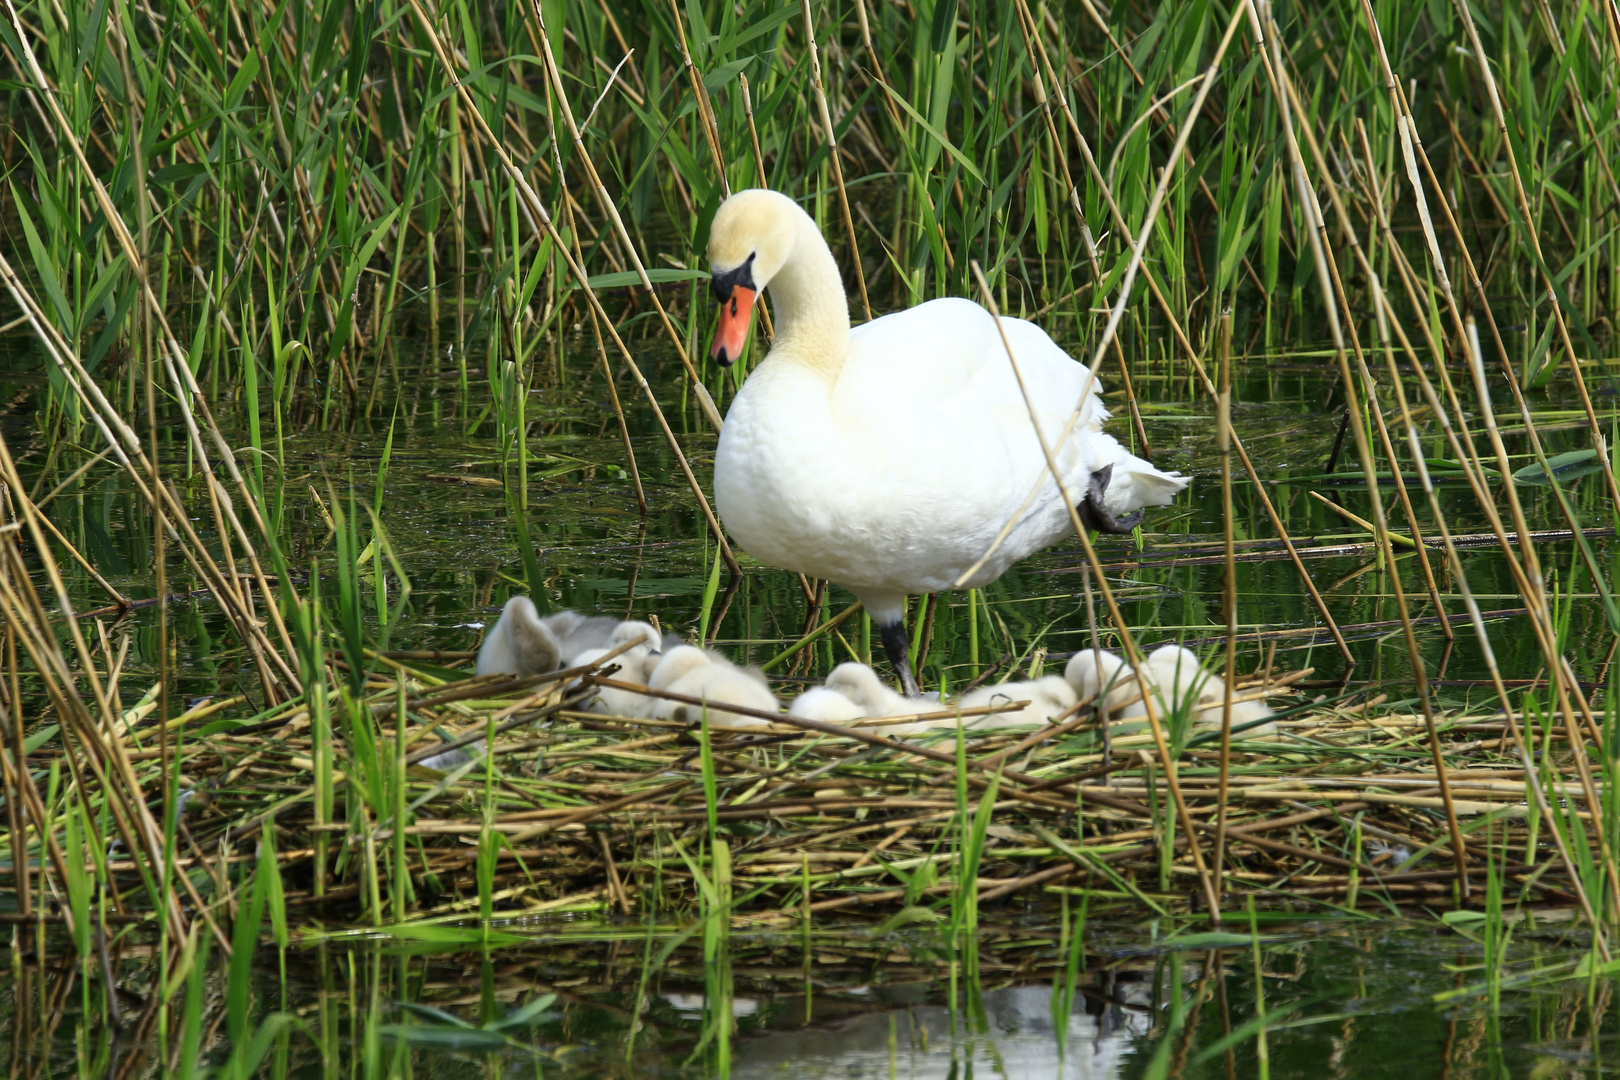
887	458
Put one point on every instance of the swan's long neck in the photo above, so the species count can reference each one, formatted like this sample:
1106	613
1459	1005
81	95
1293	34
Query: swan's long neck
810	309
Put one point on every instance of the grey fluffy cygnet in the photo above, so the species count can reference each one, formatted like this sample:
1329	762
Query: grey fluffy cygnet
520	643
523	642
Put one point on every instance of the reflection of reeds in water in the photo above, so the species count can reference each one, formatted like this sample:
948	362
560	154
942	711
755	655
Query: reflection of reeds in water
241	217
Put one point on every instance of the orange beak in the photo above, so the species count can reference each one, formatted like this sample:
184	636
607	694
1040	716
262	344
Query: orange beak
732	333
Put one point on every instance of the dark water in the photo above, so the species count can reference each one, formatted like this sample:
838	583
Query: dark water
1352	998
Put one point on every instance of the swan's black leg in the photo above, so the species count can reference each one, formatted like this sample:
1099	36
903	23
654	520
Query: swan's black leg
898	646
1094	513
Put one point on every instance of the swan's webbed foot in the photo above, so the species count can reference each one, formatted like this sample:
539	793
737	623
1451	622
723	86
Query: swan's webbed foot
898	645
1093	511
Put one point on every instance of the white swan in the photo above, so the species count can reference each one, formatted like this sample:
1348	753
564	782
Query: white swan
887	458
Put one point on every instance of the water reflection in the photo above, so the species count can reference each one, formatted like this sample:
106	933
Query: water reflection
1018	1039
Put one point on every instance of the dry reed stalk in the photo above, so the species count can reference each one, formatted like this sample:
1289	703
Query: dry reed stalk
1191	353
1267	42
1223	443
1127	640
599	190
1528	219
700	95
832	155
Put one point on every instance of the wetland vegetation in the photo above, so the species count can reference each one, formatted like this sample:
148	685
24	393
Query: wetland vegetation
328	325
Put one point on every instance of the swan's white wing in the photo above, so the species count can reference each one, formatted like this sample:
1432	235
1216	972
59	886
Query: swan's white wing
970	416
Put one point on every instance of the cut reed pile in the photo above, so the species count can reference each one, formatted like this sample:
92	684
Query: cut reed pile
551	808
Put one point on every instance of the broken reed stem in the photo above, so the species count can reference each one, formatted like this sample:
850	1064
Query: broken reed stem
1223	443
832	155
538	210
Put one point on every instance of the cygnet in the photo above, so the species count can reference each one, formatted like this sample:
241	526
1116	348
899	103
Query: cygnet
635	665
1050	696
576	632
702	673
1181	682
520	643
874	698
1093	672
826	705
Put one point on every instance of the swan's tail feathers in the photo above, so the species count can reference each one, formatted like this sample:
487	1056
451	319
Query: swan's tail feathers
1118	494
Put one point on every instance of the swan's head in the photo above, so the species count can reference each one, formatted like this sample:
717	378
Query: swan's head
750	240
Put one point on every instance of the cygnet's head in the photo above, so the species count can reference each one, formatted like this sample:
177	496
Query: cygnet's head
1178	674
753	235
1091	671
676	665
861	685
636	634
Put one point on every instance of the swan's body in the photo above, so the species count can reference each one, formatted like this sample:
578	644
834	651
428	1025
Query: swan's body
1049	697
887	458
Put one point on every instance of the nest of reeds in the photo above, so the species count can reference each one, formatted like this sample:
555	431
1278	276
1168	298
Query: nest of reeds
538	805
